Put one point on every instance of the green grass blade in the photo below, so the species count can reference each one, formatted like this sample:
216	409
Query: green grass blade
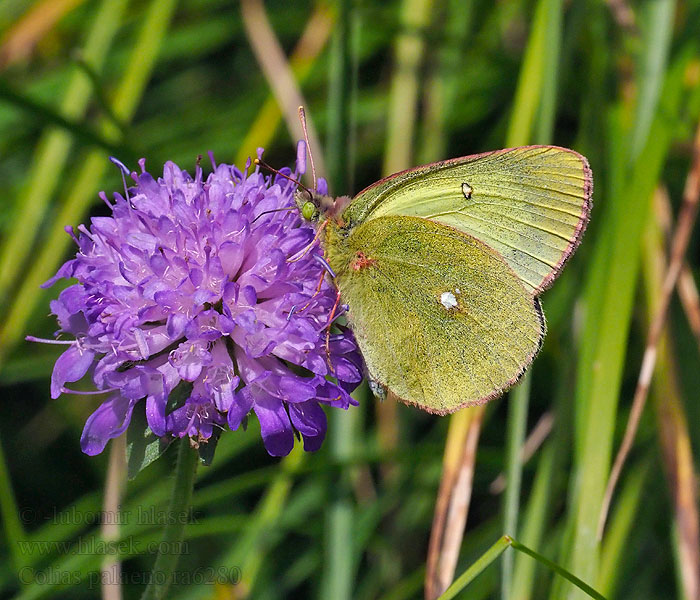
621	523
100	95
517	421
74	128
339	564
656	20
442	82
252	545
672	424
603	355
531	78
550	74
535	95
128	94
477	568
11	524
581	585
53	149
495	551
405	84
534	522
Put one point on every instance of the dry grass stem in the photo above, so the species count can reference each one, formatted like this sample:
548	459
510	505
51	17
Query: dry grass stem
278	73
690	299
671	417
540	432
453	499
679	244
687	289
623	14
21	39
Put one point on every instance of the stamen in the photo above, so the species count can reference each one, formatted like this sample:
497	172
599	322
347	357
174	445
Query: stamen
124	170
291	312
65	390
141	343
198	170
104	198
192	418
211	158
82	229
69	230
324	263
31	338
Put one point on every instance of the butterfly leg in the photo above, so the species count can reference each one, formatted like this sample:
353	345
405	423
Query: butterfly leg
328	332
327	269
318	289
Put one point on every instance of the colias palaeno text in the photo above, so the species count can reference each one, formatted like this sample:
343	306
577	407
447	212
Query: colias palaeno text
441	267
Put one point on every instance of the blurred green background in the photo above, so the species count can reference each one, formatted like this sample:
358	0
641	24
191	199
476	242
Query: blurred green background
388	85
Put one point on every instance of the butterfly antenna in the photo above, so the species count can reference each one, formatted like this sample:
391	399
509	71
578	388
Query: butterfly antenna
272	210
264	165
302	118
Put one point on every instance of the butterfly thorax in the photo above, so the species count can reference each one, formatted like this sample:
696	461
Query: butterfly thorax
337	250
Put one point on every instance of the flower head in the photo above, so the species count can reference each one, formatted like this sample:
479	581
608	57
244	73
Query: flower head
186	299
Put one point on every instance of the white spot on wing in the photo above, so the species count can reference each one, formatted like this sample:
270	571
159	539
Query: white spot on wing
467	190
448	300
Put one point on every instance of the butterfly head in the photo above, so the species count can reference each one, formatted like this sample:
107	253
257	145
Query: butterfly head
315	207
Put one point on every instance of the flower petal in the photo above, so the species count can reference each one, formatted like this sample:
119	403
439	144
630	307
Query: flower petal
275	427
241	406
108	421
308	418
155	414
70	366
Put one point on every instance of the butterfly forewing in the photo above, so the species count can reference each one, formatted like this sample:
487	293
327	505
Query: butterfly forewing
441	319
530	204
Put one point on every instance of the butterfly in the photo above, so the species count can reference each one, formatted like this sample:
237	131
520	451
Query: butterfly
441	267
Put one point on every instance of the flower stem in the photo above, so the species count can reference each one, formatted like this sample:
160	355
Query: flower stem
178	515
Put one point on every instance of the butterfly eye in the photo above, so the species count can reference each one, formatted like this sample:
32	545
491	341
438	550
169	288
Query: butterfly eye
308	210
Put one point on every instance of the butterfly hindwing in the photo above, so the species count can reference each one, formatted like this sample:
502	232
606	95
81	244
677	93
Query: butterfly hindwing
530	204
441	319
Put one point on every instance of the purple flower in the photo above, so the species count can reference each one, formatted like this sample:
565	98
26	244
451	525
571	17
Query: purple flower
189	287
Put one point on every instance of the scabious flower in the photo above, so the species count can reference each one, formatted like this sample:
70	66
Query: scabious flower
195	297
